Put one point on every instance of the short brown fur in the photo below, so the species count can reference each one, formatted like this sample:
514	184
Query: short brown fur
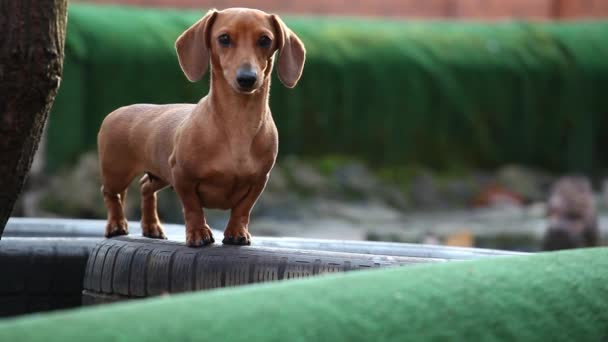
217	153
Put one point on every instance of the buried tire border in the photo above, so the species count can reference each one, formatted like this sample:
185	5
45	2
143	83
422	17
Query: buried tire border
126	267
42	274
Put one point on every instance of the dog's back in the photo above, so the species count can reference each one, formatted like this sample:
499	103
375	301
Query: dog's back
137	138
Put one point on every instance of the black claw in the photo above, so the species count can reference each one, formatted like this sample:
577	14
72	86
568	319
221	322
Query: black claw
117	232
207	241
240	240
156	235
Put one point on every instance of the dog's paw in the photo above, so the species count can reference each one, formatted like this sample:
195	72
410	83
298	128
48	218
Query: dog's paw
198	237
239	237
153	230
116	228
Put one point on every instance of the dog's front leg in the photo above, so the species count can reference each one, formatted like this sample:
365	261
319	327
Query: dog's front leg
237	230
198	233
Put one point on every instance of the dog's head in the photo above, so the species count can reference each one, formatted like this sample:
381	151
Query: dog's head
240	44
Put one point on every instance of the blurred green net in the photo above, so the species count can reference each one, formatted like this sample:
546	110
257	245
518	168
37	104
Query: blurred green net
388	92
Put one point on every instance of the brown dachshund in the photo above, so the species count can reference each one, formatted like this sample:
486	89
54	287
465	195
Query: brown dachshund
217	153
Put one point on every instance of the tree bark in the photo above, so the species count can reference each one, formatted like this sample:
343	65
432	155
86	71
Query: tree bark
32	36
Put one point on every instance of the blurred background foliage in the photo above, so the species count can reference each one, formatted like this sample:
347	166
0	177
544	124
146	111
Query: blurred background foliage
441	94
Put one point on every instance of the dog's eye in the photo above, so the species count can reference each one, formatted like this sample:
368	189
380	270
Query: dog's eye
264	42
224	40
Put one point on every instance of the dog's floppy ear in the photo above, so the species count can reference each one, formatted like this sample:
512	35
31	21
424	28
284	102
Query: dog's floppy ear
193	47
291	53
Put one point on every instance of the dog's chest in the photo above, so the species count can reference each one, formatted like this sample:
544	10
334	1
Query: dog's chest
224	184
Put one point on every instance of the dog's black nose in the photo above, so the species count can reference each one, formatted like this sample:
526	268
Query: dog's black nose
246	78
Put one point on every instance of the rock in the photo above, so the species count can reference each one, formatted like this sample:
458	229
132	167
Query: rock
279	206
356	212
356	177
459	192
537	210
394	197
424	191
168	204
278	180
75	192
531	185
431	239
305	177
483	178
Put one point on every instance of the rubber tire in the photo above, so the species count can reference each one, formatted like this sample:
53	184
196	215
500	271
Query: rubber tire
125	267
383	248
30	227
41	274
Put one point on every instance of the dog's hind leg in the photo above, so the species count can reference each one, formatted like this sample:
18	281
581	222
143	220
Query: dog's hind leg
150	223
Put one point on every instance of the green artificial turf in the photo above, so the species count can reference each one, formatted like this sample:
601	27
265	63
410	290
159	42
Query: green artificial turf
560	296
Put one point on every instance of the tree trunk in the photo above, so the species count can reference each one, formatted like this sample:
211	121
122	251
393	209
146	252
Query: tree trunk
32	35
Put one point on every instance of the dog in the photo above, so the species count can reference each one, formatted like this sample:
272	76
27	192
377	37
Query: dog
571	214
217	153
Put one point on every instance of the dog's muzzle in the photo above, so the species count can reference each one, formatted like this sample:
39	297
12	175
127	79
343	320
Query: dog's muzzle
246	78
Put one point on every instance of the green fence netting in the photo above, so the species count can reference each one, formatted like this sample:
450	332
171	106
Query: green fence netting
434	93
548	297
